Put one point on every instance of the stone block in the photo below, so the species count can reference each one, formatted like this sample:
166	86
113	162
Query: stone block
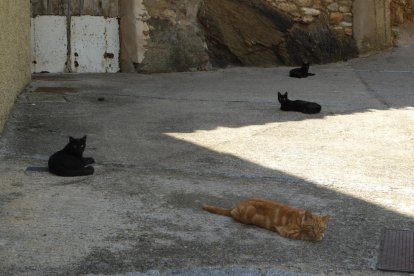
348	31
287	7
307	19
345	9
333	7
311	12
335	17
345	24
304	3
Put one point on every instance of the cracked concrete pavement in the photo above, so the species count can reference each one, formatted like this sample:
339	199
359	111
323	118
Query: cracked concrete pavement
166	143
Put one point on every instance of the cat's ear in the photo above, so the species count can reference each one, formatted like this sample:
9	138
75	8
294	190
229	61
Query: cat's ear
286	94
84	137
326	218
71	139
279	94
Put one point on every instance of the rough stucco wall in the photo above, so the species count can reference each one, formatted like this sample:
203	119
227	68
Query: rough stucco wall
372	25
15	54
134	33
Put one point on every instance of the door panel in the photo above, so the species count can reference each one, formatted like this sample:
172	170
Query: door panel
95	44
49	44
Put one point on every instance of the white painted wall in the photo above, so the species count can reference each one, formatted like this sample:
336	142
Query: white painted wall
49	44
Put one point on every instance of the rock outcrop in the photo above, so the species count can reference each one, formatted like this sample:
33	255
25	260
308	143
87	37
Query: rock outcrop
254	33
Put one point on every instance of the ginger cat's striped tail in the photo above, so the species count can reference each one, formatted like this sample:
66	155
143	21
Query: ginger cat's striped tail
217	210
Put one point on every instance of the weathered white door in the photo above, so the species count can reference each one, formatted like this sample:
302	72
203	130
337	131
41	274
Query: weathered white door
75	36
49	44
94	44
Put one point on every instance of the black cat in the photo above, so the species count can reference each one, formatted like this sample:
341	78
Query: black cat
298	105
302	72
69	161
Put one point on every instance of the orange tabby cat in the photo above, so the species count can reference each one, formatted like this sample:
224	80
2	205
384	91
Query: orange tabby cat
289	222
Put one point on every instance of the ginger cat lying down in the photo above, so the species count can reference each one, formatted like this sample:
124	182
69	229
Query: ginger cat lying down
289	222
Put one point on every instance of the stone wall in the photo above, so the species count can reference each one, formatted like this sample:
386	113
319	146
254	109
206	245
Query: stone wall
268	33
15	54
188	35
339	12
402	11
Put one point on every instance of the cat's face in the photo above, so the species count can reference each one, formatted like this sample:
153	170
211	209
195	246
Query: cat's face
315	226
76	146
282	98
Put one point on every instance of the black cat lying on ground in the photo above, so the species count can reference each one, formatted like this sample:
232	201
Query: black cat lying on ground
69	161
302	72
298	105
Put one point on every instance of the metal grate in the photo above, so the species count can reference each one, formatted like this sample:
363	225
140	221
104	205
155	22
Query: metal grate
397	251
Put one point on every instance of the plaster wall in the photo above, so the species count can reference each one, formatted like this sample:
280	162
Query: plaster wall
134	33
15	54
372	25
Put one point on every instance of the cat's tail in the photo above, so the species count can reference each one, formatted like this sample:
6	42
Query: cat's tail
217	210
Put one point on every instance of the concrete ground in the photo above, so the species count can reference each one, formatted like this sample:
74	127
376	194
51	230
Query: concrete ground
167	143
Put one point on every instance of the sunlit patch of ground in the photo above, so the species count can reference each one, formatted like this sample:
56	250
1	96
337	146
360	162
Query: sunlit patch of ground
367	155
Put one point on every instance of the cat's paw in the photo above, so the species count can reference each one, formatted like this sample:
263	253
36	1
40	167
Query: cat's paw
89	170
88	160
